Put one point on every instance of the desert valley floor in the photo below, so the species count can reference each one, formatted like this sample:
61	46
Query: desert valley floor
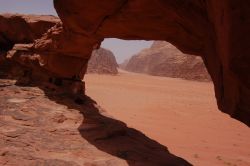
127	120
181	115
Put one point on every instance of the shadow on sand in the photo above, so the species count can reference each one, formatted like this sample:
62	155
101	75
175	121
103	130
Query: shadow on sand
114	137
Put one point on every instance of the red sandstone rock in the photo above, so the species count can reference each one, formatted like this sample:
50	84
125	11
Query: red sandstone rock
23	28
17	35
163	59
29	59
102	61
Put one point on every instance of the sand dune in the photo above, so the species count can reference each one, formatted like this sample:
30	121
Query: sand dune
179	114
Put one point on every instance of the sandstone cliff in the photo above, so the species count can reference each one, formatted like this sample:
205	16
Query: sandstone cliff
163	59
102	61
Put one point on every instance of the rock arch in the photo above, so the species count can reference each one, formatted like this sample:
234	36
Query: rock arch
215	30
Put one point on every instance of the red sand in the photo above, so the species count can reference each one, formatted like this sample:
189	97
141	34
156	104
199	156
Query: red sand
180	114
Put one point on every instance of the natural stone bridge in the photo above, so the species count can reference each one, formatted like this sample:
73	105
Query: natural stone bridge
215	30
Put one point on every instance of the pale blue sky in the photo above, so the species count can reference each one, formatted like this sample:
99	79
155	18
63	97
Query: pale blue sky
122	49
27	6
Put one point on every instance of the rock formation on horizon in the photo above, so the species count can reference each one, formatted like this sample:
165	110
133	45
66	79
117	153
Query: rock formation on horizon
163	59
102	61
124	64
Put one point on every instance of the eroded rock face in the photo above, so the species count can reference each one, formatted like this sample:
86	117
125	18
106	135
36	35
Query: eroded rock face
29	54
17	35
23	28
163	59
102	61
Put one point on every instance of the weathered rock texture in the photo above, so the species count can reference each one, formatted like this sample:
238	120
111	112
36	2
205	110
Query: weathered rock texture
22	37
23	28
44	127
163	59
17	35
102	61
215	30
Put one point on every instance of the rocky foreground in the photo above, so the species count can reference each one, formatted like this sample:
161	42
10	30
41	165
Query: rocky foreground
44	126
163	59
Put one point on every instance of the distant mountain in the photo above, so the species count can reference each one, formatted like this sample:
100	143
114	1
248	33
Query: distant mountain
123	64
102	61
163	59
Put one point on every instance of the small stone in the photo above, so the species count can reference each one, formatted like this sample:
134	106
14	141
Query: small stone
16	100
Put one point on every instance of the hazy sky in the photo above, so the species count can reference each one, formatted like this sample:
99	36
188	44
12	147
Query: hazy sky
122	49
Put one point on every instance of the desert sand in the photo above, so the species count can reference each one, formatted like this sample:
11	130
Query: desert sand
41	126
181	115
